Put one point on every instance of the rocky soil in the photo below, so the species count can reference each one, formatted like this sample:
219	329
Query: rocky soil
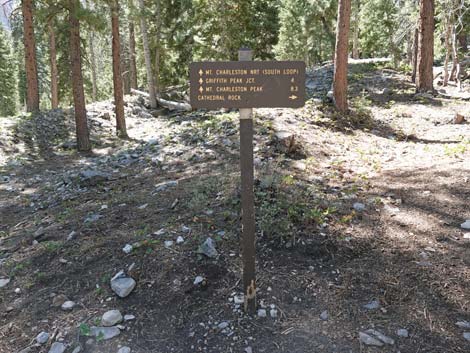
363	227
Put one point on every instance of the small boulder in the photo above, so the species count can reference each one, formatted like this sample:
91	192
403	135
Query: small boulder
124	350
368	340
208	248
68	305
324	315
42	338
4	282
57	347
111	318
459	118
465	225
402	332
122	285
104	333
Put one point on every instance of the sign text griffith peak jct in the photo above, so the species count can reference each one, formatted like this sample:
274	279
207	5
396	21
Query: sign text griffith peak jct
247	84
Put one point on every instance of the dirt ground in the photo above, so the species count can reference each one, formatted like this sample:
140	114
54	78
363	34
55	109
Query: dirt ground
398	154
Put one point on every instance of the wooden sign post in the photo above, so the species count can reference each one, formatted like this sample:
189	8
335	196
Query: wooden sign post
247	84
248	200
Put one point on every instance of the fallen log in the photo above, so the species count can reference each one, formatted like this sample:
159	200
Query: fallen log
170	105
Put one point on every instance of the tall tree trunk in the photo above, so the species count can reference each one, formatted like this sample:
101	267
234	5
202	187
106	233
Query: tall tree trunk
340	79
94	79
455	72
448	48
54	72
355	39
83	138
414	62
157	50
132	61
32	85
424	78
148	60
117	78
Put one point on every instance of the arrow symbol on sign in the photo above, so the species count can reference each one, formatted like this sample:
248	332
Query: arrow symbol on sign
201	89
201	81
201	72
293	97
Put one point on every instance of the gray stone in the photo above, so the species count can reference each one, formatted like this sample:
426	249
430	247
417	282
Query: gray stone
262	313
273	313
40	232
380	336
466	335
104	333
57	347
222	325
93	218
111	318
402	332
129	317
4	282
208	248
198	280
122	285
68	305
359	207
369	340
466	224
372	305
42	338
77	349
124	350
248	350
92	177
163	186
463	324
324	315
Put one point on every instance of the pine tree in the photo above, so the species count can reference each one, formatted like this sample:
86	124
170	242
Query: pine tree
340	79
8	75
424	77
32	84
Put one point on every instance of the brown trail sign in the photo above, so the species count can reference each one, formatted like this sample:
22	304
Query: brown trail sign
246	84
253	84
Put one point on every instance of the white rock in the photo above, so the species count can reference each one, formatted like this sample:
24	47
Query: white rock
104	333
466	236
273	313
111	318
372	305
129	317
168	243
179	240
77	349
369	340
239	299
466	335
466	224
18	290
57	347
128	248
68	305
42	338
248	350
262	313
198	280
122	285
359	207
124	350
380	336
4	282
463	324
222	325
402	332
324	315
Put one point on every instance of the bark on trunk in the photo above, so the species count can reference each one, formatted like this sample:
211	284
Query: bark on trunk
117	78
148	60
455	73
132	61
424	78
414	63
94	80
355	40
83	138
54	72
448	47
340	79
32	85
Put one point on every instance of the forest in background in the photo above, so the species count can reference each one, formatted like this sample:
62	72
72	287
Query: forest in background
181	31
